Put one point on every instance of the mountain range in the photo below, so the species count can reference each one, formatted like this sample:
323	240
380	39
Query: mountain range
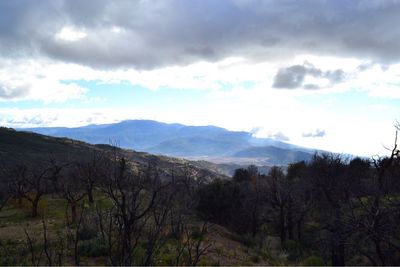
209	143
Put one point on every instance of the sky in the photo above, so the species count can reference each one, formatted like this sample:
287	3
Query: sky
315	73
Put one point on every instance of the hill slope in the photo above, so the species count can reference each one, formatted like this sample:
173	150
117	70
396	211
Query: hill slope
274	155
18	147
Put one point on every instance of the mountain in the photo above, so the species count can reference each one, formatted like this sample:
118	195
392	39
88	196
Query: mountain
156	137
179	140
27	148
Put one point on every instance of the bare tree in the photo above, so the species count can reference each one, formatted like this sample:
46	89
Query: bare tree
5	193
379	220
328	178
192	246
158	224
33	182
72	190
30	184
133	195
31	243
90	172
4	196
300	199
278	198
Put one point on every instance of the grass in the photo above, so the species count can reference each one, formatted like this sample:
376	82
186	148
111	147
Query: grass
14	220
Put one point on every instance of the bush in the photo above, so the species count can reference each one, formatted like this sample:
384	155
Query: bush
248	240
292	248
196	233
92	248
26	205
139	254
206	262
168	259
88	230
255	258
314	261
87	233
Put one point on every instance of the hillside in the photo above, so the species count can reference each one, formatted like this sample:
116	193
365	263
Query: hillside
274	155
210	142
47	237
27	148
134	208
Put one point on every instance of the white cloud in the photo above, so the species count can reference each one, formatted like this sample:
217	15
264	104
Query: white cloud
44	78
238	96
32	80
70	34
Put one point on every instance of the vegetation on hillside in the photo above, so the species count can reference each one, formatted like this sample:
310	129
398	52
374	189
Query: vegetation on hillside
340	211
110	206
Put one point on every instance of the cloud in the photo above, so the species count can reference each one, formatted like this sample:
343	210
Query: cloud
154	34
293	77
279	136
13	92
46	90
28	80
66	117
316	133
28	120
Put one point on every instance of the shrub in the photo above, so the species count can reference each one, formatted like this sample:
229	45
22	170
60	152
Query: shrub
87	233
255	258
292	248
168	259
196	233
88	230
92	248
26	205
248	240
139	254
314	261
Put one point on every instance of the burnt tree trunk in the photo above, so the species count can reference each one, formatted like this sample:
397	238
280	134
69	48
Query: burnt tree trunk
282	226
73	212
338	255
35	205
290	220
90	196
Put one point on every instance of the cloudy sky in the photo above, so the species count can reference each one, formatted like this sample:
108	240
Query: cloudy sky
323	74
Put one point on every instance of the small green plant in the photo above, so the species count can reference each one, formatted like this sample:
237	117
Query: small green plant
26	205
205	262
246	239
292	248
87	231
92	248
196	233
167	259
139	253
314	261
255	258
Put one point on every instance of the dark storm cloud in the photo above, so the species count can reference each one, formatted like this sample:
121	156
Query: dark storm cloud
293	77
159	33
317	133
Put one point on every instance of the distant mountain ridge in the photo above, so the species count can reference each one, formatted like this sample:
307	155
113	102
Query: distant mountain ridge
183	141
